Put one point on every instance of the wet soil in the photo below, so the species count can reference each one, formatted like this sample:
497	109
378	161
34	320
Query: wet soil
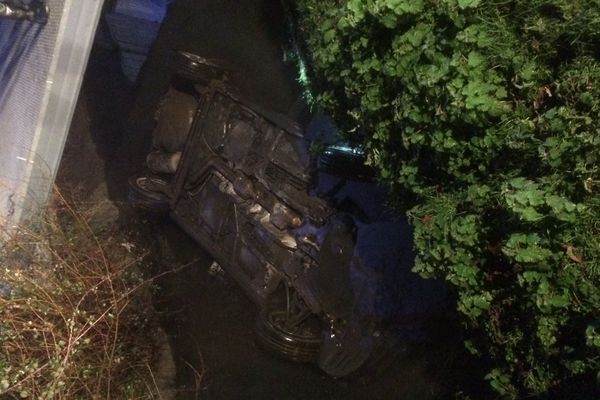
208	319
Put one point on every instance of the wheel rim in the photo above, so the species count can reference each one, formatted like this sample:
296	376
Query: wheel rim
150	184
300	343
148	193
289	328
302	332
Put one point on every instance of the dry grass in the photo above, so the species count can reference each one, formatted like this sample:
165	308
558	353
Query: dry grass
76	320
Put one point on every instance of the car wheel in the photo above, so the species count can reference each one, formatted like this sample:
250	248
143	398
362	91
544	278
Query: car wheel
291	333
196	69
149	193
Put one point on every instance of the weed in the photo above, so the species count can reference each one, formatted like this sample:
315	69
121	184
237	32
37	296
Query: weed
76	319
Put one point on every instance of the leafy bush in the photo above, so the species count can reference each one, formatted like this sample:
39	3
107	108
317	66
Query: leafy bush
76	319
483	118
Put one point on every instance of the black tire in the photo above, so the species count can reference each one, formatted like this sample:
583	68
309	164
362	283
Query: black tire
149	193
300	345
196	69
344	353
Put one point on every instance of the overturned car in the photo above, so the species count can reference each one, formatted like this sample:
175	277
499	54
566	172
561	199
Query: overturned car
241	181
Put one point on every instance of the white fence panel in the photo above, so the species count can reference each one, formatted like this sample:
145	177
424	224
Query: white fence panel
41	69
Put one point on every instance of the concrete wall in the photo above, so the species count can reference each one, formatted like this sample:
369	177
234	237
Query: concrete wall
41	68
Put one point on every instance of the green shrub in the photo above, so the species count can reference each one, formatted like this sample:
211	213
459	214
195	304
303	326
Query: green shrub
483	118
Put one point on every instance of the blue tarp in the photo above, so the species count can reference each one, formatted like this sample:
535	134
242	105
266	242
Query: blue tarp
150	10
133	26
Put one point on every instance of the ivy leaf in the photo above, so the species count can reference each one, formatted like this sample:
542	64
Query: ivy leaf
559	301
531	215
535	197
532	254
468	3
466	274
401	7
547	299
470	346
546	331
555	202
389	20
500	381
529	277
519	183
329	35
569	207
475	59
356	8
563	209
472	305
525	248
592	335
